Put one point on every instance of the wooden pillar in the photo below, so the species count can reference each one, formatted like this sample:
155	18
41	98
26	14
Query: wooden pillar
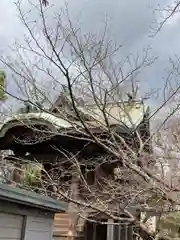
110	229
74	188
73	208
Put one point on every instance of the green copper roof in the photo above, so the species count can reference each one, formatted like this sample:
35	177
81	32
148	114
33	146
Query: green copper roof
2	85
32	199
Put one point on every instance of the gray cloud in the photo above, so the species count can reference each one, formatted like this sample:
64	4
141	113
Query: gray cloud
128	24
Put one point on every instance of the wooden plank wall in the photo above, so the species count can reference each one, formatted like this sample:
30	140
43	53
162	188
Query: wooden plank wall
62	227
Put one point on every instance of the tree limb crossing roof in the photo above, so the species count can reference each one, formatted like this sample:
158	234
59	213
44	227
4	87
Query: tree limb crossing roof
31	199
125	115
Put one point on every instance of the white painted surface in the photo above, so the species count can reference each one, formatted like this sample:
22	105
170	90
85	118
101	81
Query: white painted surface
38	228
10	226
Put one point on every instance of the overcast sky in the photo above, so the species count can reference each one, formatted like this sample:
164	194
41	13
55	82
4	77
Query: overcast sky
129	24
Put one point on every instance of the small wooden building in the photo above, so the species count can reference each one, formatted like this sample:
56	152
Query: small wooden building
26	215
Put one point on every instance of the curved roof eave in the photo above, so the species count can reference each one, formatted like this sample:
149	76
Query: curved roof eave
52	122
128	121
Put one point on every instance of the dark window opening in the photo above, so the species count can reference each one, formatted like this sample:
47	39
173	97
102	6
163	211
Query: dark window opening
94	231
